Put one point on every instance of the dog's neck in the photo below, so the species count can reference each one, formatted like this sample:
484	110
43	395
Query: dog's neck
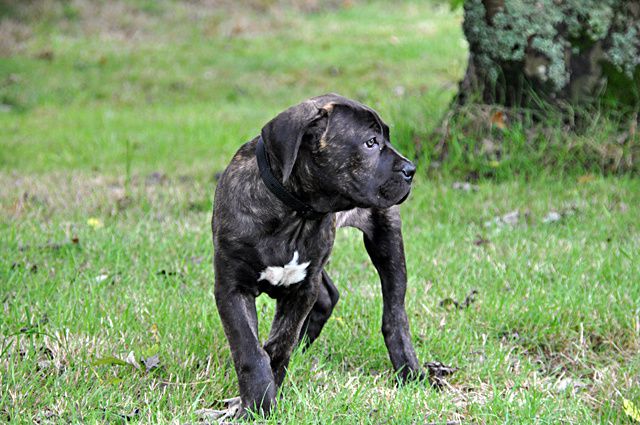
313	189
307	190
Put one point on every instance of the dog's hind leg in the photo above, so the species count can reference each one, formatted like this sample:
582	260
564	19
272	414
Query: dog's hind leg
320	312
291	311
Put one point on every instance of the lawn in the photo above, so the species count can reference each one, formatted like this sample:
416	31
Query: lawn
114	124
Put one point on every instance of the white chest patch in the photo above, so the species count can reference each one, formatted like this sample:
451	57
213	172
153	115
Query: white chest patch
288	274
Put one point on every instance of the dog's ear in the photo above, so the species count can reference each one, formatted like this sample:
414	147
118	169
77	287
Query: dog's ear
282	135
330	100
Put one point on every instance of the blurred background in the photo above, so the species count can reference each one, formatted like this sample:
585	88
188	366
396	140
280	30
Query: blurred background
522	232
188	82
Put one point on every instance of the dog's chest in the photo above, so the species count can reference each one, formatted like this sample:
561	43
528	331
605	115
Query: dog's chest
288	262
286	275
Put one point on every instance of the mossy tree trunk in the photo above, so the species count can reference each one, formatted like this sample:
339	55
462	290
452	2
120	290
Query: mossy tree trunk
567	52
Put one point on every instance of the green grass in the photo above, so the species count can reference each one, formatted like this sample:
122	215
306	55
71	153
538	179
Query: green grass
200	91
130	132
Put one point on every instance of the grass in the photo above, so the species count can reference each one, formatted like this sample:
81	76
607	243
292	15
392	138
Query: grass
216	89
108	152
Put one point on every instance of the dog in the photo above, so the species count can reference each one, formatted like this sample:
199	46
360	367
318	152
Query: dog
325	163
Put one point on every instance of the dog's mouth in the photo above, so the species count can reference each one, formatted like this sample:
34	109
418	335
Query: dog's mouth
394	194
404	198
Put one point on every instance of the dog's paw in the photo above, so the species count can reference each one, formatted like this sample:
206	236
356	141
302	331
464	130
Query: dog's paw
438	373
232	411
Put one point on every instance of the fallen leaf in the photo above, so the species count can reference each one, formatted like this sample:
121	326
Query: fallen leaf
131	359
438	372
151	362
498	119
510	218
552	217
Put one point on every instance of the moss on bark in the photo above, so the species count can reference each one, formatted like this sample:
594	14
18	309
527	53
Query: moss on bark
557	50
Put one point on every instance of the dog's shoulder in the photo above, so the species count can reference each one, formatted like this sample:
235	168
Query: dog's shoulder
242	164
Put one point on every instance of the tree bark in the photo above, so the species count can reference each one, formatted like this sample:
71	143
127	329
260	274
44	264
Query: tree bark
557	51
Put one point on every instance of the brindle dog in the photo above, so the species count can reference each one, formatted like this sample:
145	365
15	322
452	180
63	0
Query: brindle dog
334	154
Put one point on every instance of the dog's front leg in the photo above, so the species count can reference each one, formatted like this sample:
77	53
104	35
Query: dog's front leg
291	312
238	314
383	241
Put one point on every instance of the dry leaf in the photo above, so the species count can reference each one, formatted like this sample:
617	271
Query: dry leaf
498	119
510	218
131	359
438	372
151	362
552	217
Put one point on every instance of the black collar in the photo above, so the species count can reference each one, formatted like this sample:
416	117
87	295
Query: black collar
287	198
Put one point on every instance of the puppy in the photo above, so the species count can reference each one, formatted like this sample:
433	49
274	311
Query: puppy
325	163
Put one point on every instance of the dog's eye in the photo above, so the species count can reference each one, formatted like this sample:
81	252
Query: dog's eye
371	143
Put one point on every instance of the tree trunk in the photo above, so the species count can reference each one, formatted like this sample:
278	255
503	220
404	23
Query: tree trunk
561	51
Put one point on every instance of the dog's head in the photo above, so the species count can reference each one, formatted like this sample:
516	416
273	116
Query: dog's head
343	146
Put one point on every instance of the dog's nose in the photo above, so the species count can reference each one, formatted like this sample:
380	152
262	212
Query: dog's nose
408	170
